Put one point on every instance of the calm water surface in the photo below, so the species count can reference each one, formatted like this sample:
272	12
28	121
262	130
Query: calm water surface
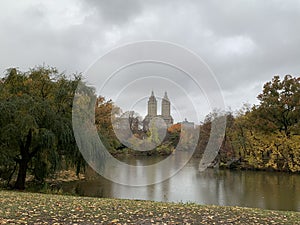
269	190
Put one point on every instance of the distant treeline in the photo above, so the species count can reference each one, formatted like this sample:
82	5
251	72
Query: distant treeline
264	136
36	135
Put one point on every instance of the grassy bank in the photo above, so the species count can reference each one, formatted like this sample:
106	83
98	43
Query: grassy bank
33	208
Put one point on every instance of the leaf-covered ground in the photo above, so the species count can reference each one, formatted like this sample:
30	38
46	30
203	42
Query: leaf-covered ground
33	208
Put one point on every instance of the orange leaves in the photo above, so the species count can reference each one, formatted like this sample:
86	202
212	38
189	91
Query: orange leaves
175	128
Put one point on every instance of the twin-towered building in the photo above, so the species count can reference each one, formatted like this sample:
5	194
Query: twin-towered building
152	111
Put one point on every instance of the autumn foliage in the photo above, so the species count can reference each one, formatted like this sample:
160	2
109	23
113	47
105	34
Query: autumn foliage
36	127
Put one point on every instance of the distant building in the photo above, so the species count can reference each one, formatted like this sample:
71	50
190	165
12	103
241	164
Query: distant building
187	124
152	111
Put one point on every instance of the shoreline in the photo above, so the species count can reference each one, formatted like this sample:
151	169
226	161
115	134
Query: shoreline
242	166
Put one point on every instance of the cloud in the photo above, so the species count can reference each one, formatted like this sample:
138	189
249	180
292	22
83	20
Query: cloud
244	43
115	12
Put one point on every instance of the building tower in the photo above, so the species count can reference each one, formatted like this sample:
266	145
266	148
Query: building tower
152	111
165	106
166	110
152	105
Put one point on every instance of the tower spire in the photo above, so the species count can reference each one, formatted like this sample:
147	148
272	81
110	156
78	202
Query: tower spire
165	106
152	105
166	95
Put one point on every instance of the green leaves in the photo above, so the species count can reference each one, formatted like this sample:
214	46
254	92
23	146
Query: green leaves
279	107
36	114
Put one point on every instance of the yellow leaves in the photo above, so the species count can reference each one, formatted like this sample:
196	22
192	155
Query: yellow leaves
276	151
273	150
114	221
22	208
268	133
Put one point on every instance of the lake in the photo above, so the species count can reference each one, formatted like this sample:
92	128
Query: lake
259	189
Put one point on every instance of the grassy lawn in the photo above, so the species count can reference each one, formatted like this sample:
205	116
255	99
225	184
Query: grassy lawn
33	208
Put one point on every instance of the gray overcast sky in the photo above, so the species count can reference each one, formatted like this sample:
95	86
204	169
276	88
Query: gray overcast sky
245	43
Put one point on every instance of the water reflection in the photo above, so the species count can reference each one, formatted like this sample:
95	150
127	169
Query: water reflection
269	190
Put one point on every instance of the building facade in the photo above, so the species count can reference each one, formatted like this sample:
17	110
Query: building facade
152	111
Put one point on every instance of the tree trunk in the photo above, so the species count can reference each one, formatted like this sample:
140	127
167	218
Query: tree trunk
11	175
23	162
20	183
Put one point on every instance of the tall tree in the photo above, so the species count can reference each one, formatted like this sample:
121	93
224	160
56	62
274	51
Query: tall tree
279	108
105	114
268	135
36	128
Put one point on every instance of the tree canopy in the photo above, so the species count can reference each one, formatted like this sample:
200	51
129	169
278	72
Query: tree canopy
36	134
267	136
36	129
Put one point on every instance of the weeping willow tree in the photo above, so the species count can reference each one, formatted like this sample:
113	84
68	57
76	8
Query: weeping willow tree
35	123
